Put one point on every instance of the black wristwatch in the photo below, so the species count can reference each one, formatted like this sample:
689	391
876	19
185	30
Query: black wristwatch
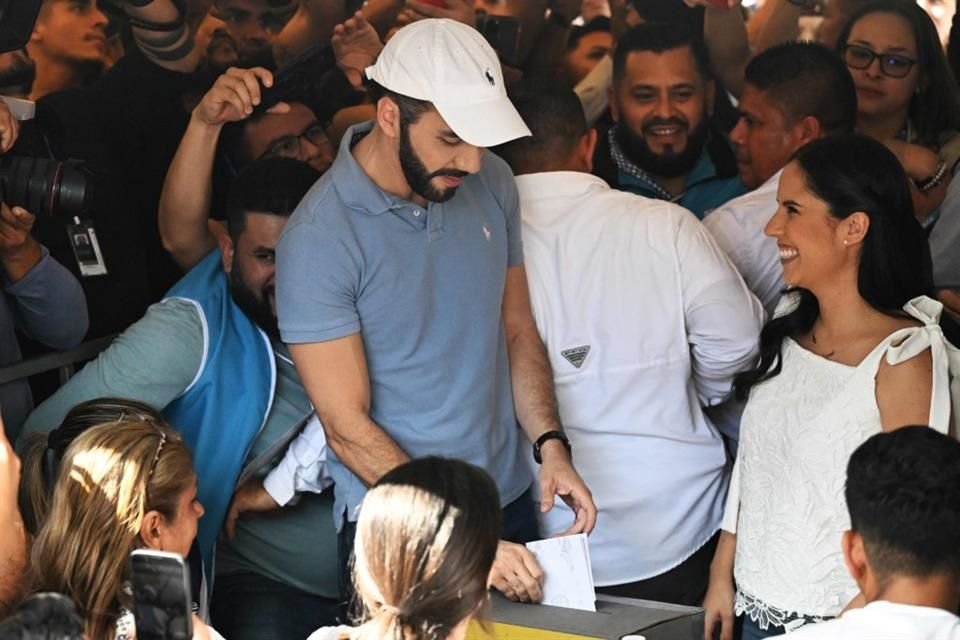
550	435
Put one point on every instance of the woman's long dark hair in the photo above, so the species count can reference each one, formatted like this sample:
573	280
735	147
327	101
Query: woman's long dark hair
853	173
936	107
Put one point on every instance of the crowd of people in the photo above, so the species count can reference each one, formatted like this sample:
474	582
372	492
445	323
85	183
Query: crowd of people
400	286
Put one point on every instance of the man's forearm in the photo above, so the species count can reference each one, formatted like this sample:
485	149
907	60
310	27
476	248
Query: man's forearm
532	380
163	35
186	196
725	35
782	25
363	446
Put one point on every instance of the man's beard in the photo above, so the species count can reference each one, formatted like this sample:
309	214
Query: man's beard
416	174
665	165
259	311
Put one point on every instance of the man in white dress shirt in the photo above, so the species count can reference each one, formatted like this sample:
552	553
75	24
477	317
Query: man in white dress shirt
795	92
903	547
645	322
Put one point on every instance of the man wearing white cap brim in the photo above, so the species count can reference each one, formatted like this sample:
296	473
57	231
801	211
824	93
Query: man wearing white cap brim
402	294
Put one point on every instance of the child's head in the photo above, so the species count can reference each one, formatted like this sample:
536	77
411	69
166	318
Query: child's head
903	493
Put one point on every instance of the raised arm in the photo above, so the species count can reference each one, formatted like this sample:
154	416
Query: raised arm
725	35
161	31
185	199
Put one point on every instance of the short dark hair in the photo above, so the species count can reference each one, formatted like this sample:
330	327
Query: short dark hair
807	79
658	38
410	108
600	24
903	494
674	11
269	185
555	117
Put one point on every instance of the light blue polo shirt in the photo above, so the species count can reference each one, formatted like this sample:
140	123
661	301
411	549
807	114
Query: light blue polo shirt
424	287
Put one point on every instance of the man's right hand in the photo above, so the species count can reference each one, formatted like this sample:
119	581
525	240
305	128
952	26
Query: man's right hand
234	96
516	573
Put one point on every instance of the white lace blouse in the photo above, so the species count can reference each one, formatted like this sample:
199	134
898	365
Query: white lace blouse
786	501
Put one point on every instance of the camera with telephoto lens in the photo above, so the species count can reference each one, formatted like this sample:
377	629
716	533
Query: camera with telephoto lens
45	187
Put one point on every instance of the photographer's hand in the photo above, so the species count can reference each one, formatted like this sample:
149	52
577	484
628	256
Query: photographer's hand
9	128
19	250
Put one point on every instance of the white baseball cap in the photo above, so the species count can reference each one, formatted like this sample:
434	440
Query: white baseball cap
451	65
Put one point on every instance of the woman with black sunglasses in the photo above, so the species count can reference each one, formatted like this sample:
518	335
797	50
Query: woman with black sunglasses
906	95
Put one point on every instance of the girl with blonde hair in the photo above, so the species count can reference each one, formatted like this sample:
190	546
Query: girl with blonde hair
121	486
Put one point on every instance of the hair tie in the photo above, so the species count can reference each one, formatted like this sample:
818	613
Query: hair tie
389	608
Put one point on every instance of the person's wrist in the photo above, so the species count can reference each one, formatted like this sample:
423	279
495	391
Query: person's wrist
555	449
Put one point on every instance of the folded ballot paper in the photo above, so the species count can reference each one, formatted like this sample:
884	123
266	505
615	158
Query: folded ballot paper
567	575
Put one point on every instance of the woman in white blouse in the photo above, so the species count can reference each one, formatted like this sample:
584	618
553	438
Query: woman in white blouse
853	349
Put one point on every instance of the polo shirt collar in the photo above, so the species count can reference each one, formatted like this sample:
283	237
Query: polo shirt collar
356	189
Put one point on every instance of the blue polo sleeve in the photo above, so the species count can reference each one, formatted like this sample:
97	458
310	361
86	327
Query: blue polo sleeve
499	179
318	280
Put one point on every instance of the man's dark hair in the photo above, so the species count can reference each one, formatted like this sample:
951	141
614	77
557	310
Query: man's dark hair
44	616
272	185
410	108
806	79
659	38
600	24
669	11
555	117
903	493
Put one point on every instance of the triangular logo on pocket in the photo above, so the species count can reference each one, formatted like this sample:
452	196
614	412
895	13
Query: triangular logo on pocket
576	356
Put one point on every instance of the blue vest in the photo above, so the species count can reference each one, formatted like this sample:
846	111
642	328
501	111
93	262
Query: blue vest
226	405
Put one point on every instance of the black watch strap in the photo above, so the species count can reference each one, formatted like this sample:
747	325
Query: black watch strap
550	435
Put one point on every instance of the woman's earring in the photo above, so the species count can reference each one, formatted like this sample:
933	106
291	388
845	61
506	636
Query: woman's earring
845	243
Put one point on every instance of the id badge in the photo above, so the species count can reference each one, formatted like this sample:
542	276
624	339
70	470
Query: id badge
86	248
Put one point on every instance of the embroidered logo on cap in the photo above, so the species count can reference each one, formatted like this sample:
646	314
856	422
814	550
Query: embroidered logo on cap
576	356
490	78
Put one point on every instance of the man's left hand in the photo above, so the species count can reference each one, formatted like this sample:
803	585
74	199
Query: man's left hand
250	497
558	477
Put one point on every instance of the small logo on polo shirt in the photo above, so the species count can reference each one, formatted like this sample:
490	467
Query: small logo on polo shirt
486	233
576	356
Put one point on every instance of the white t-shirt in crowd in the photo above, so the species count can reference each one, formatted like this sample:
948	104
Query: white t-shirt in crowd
883	620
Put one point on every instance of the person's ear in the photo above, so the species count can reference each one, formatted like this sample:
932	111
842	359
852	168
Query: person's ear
855	557
806	130
388	117
226	252
150	530
853	229
586	148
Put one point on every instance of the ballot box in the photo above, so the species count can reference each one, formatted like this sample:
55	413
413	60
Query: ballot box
615	619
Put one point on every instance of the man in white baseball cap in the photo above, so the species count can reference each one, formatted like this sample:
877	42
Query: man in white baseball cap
402	294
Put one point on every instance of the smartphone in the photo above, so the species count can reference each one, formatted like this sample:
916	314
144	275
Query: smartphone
161	595
503	34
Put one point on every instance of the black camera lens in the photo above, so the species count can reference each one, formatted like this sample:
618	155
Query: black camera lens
45	187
